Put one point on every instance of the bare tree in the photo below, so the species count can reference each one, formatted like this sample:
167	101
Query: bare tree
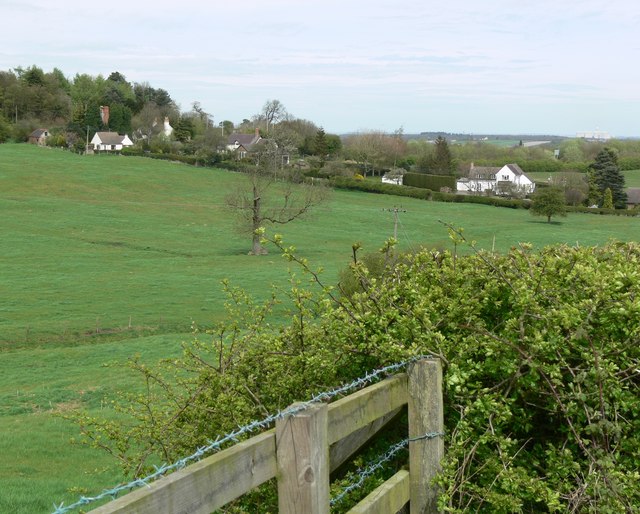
272	112
262	201
574	184
148	122
373	150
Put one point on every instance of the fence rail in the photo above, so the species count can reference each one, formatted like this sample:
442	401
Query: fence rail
303	449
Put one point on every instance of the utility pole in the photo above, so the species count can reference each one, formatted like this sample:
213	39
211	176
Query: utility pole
395	212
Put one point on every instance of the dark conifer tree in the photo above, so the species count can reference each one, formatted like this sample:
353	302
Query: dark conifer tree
441	160
320	145
605	173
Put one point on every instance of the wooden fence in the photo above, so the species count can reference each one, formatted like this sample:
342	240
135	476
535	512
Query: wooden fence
306	447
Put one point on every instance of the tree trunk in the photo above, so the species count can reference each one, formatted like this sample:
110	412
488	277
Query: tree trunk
258	249
256	221
548	219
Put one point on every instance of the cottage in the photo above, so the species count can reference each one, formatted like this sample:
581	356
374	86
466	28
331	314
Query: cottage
507	180
39	137
243	143
109	142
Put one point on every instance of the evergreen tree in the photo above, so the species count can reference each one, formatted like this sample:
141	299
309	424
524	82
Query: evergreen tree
606	173
608	199
441	160
320	145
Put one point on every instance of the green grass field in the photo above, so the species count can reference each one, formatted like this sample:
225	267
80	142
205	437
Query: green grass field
631	177
92	245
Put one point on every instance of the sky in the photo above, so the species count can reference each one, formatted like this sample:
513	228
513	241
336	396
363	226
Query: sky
474	67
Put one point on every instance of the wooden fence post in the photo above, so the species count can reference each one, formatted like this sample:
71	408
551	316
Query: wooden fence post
302	453
425	416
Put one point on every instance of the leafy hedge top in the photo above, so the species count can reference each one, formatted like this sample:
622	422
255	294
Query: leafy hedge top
542	367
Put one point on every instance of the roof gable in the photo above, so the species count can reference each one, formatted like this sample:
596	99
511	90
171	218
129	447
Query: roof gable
517	170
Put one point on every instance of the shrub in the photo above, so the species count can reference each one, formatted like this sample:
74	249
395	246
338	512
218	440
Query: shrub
541	358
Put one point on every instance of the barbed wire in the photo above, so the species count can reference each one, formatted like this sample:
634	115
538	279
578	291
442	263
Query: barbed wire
364	473
215	445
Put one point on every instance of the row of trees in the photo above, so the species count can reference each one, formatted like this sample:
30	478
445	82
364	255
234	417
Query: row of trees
603	185
71	110
31	98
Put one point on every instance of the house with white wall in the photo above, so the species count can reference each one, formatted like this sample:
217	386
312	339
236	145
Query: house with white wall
506	180
109	142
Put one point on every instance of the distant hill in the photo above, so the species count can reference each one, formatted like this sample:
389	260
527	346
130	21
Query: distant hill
466	137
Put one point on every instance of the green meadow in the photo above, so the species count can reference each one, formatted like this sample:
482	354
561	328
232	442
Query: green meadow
631	177
107	257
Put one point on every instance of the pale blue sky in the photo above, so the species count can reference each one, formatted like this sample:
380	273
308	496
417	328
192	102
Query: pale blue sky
492	66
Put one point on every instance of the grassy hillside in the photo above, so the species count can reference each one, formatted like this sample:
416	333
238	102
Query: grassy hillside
94	244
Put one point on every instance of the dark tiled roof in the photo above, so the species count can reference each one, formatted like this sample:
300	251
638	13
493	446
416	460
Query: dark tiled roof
517	170
633	196
483	172
245	140
38	133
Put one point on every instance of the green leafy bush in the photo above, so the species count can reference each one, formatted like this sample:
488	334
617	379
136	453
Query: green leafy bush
541	351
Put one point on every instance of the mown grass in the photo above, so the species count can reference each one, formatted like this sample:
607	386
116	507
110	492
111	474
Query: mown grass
92	245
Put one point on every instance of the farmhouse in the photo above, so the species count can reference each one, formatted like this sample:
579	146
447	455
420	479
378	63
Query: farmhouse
109	142
39	137
506	180
243	143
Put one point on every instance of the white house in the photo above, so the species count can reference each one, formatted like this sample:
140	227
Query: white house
110	141
167	129
506	180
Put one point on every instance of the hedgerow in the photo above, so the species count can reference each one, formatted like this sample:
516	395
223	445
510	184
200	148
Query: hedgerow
541	352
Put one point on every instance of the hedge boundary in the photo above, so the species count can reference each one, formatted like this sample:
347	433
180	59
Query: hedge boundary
427	194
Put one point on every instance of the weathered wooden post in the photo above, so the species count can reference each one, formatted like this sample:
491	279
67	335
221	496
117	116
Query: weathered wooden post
425	417
302	453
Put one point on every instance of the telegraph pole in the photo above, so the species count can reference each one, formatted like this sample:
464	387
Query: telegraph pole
395	212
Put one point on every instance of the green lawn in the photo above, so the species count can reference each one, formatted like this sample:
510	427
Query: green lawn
94	244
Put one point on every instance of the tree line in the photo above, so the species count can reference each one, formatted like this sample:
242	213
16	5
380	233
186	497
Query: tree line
70	108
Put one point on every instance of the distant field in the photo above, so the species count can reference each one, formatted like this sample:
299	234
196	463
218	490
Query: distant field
631	177
504	143
93	244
